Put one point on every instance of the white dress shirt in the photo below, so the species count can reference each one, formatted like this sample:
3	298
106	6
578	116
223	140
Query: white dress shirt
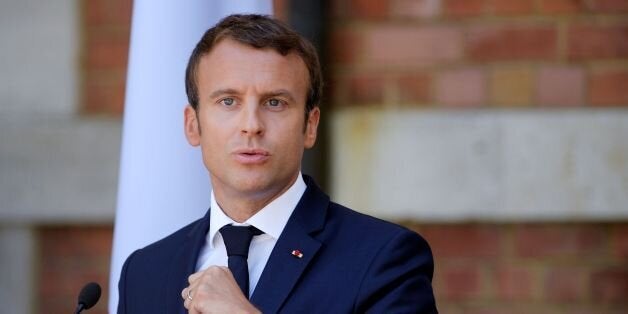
271	220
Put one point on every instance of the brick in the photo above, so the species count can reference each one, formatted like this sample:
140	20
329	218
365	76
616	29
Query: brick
69	258
366	89
560	86
499	307
449	307
561	242
514	283
461	88
620	242
609	88
368	9
71	240
120	12
415	8
281	9
95	12
414	88
487	309
561	6
104	94
564	284
464	241
106	30
610	6
463	8
338	9
344	46
610	285
107	51
511	7
460	282
332	90
596	42
595	308
497	43
511	86
409	45
107	13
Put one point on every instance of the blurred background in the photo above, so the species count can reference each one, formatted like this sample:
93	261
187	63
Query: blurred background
498	129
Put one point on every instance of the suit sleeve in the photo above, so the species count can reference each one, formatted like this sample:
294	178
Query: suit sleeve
399	279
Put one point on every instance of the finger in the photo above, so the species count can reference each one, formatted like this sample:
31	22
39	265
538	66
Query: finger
186	294
192	307
194	276
186	302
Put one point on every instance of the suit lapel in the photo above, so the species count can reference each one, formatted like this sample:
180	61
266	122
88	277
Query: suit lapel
184	264
283	268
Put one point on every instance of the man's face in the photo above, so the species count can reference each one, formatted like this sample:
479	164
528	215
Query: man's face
250	115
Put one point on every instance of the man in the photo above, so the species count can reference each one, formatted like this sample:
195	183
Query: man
272	241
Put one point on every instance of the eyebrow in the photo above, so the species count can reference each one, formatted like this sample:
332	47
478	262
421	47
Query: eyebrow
229	91
220	92
280	92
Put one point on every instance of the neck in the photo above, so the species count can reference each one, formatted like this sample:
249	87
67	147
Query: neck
242	205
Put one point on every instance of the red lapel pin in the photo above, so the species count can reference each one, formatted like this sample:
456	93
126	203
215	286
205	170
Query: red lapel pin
297	253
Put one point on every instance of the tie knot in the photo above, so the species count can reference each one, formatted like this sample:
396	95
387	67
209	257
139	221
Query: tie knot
238	239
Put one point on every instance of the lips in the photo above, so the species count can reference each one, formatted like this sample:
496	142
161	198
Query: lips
251	156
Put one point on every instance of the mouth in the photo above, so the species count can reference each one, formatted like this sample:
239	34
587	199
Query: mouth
251	156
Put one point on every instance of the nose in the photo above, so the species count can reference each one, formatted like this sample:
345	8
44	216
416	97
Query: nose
252	124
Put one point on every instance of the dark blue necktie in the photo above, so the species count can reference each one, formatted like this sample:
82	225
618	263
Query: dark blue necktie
237	240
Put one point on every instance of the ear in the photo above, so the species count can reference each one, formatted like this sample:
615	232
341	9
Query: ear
312	127
191	126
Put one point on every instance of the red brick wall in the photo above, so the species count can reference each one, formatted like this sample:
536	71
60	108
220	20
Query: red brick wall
70	257
480	268
530	268
479	53
105	27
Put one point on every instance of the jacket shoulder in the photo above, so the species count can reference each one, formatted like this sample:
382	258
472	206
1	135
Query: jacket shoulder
397	264
366	225
165	246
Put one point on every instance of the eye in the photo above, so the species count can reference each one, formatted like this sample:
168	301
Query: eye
274	102
227	102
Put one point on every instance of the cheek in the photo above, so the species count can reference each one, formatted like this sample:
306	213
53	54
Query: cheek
212	125
293	143
213	140
291	131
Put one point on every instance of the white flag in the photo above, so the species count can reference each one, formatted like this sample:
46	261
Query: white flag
163	184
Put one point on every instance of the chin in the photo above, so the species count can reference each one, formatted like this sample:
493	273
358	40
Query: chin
252	183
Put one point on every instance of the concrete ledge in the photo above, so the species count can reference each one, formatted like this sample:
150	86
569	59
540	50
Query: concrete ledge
17	269
58	168
486	165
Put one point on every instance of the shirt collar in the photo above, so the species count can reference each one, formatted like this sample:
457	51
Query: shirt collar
271	219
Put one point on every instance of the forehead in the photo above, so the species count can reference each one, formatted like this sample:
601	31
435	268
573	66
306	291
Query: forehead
234	65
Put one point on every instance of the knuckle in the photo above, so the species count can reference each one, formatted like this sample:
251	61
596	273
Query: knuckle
213	270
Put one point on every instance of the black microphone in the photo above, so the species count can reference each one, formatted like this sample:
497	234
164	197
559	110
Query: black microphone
88	297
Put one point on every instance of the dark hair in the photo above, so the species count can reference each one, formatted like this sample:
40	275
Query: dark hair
258	31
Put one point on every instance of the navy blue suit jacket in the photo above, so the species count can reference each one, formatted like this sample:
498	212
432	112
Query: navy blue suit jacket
352	263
